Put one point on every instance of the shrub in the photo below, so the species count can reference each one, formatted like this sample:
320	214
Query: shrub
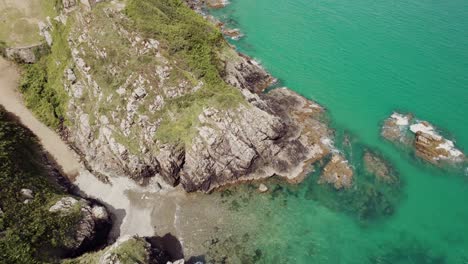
42	82
29	233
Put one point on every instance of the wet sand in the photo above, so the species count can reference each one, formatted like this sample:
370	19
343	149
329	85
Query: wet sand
10	98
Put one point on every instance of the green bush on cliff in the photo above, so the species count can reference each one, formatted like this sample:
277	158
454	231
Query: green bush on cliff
195	44
29	233
134	250
186	33
42	82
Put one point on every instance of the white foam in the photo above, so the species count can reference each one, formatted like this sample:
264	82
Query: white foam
427	129
401	120
450	148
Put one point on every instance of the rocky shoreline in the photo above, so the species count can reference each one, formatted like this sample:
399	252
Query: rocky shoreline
277	133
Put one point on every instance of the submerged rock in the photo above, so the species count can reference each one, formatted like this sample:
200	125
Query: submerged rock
337	172
232	33
216	3
377	166
423	137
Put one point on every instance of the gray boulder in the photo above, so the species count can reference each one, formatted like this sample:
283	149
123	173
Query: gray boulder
91	217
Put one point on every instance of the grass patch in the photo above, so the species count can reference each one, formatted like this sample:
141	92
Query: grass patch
29	233
130	251
42	83
18	26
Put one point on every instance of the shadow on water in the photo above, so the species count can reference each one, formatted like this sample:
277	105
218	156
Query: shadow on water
410	251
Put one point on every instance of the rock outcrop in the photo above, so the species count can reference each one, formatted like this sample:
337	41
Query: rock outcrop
376	165
278	134
91	219
28	54
337	172
127	249
423	137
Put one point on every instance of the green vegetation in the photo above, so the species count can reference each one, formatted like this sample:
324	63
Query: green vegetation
42	83
29	233
18	26
129	252
195	44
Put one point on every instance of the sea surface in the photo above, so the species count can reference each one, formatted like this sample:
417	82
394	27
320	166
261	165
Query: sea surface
361	59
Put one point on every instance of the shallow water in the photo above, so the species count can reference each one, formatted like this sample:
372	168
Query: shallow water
361	60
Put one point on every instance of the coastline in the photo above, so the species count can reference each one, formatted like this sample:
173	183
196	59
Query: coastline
129	202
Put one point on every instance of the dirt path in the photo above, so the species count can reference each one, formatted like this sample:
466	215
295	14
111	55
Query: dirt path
52	143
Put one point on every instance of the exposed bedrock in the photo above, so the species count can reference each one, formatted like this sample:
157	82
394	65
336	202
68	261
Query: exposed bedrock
118	102
423	138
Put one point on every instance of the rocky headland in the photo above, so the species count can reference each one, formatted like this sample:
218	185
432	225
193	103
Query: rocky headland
132	106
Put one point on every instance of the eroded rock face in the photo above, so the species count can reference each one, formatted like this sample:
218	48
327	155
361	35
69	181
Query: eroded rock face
337	172
243	72
92	217
275	133
24	54
423	137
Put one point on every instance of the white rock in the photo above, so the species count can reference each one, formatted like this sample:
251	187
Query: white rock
400	119
180	261
425	128
99	212
71	75
262	188
139	92
63	205
27	193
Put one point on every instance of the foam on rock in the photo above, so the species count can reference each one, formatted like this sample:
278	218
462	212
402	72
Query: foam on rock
426	141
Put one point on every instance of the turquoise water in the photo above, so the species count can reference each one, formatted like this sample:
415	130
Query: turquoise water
362	60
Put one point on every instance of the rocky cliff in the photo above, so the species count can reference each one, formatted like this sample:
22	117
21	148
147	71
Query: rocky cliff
126	92
165	98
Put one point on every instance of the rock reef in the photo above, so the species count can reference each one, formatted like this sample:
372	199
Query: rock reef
423	137
337	172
